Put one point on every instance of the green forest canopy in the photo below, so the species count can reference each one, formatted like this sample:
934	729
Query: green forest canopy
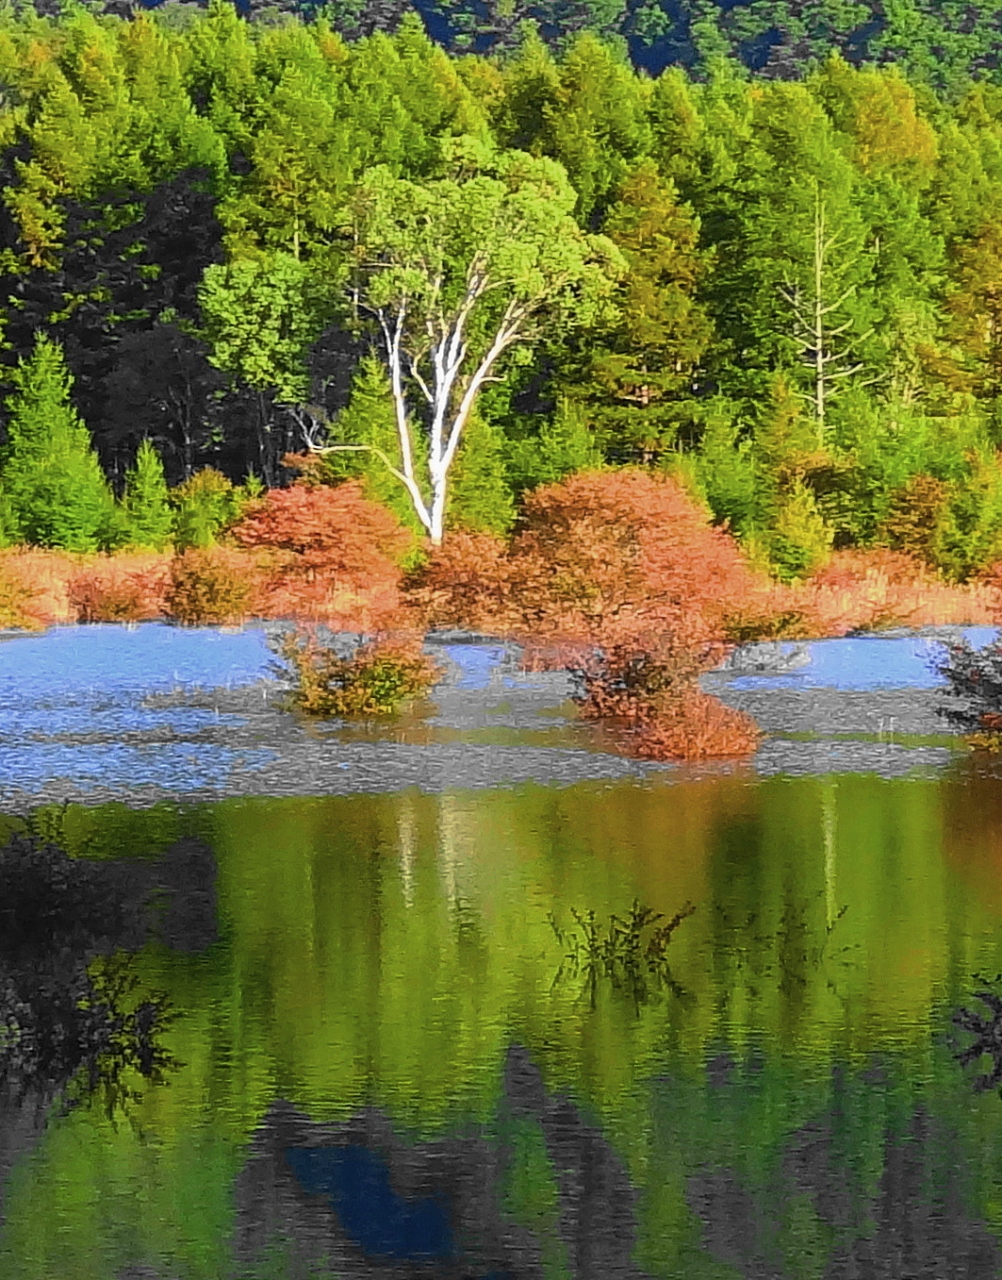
806	315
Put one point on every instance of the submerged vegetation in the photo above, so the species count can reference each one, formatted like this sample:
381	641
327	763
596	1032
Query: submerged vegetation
984	1026
630	951
974	692
378	677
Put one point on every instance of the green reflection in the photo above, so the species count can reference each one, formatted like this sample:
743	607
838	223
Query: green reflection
385	951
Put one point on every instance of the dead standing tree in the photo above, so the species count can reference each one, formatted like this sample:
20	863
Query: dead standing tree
815	314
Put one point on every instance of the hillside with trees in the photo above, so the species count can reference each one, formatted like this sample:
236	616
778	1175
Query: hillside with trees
241	249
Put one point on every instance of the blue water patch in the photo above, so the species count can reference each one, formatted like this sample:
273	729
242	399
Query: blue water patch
109	659
92	680
478	664
45	719
382	1223
868	662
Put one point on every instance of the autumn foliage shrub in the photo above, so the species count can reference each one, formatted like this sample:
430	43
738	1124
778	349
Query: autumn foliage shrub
465	582
379	678
629	564
619	576
868	590
211	586
651	698
124	588
610	555
327	555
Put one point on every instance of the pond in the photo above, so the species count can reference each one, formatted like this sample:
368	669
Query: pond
393	1052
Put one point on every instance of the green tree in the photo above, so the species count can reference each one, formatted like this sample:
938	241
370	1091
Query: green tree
562	444
203	508
799	540
366	430
793	246
147	506
481	497
50	474
260	317
458	273
598	122
639	374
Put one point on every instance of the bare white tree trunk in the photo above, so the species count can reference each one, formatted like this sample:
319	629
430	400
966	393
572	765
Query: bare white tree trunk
817	338
435	368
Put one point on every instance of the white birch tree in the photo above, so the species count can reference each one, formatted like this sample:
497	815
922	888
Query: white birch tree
454	275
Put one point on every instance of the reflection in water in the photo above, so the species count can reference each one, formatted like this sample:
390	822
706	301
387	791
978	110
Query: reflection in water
385	966
537	1193
76	1023
818	1211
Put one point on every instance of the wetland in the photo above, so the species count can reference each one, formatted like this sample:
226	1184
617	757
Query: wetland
527	1010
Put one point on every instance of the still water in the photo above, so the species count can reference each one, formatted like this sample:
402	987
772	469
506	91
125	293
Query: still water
386	1064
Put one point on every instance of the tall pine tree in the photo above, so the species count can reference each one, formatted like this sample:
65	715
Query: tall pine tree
150	519
52	481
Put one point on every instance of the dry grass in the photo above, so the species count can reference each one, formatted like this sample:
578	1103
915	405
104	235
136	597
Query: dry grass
868	590
45	577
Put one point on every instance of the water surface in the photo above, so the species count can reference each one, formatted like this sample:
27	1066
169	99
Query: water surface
390	1068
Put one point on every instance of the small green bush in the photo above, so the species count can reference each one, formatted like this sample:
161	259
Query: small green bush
378	679
205	506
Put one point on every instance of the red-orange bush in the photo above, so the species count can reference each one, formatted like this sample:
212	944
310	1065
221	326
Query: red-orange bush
129	588
211	586
652	697
329	555
696	726
465	582
867	590
611	555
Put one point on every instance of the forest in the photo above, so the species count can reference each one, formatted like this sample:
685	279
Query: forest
784	291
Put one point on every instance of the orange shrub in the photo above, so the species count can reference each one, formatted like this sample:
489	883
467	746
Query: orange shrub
123	588
464	583
651	695
619	576
211	585
989	583
696	726
328	554
609	555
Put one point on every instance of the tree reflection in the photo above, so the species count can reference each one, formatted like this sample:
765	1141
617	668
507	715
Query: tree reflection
986	1028
870	1185
539	1193
75	1021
